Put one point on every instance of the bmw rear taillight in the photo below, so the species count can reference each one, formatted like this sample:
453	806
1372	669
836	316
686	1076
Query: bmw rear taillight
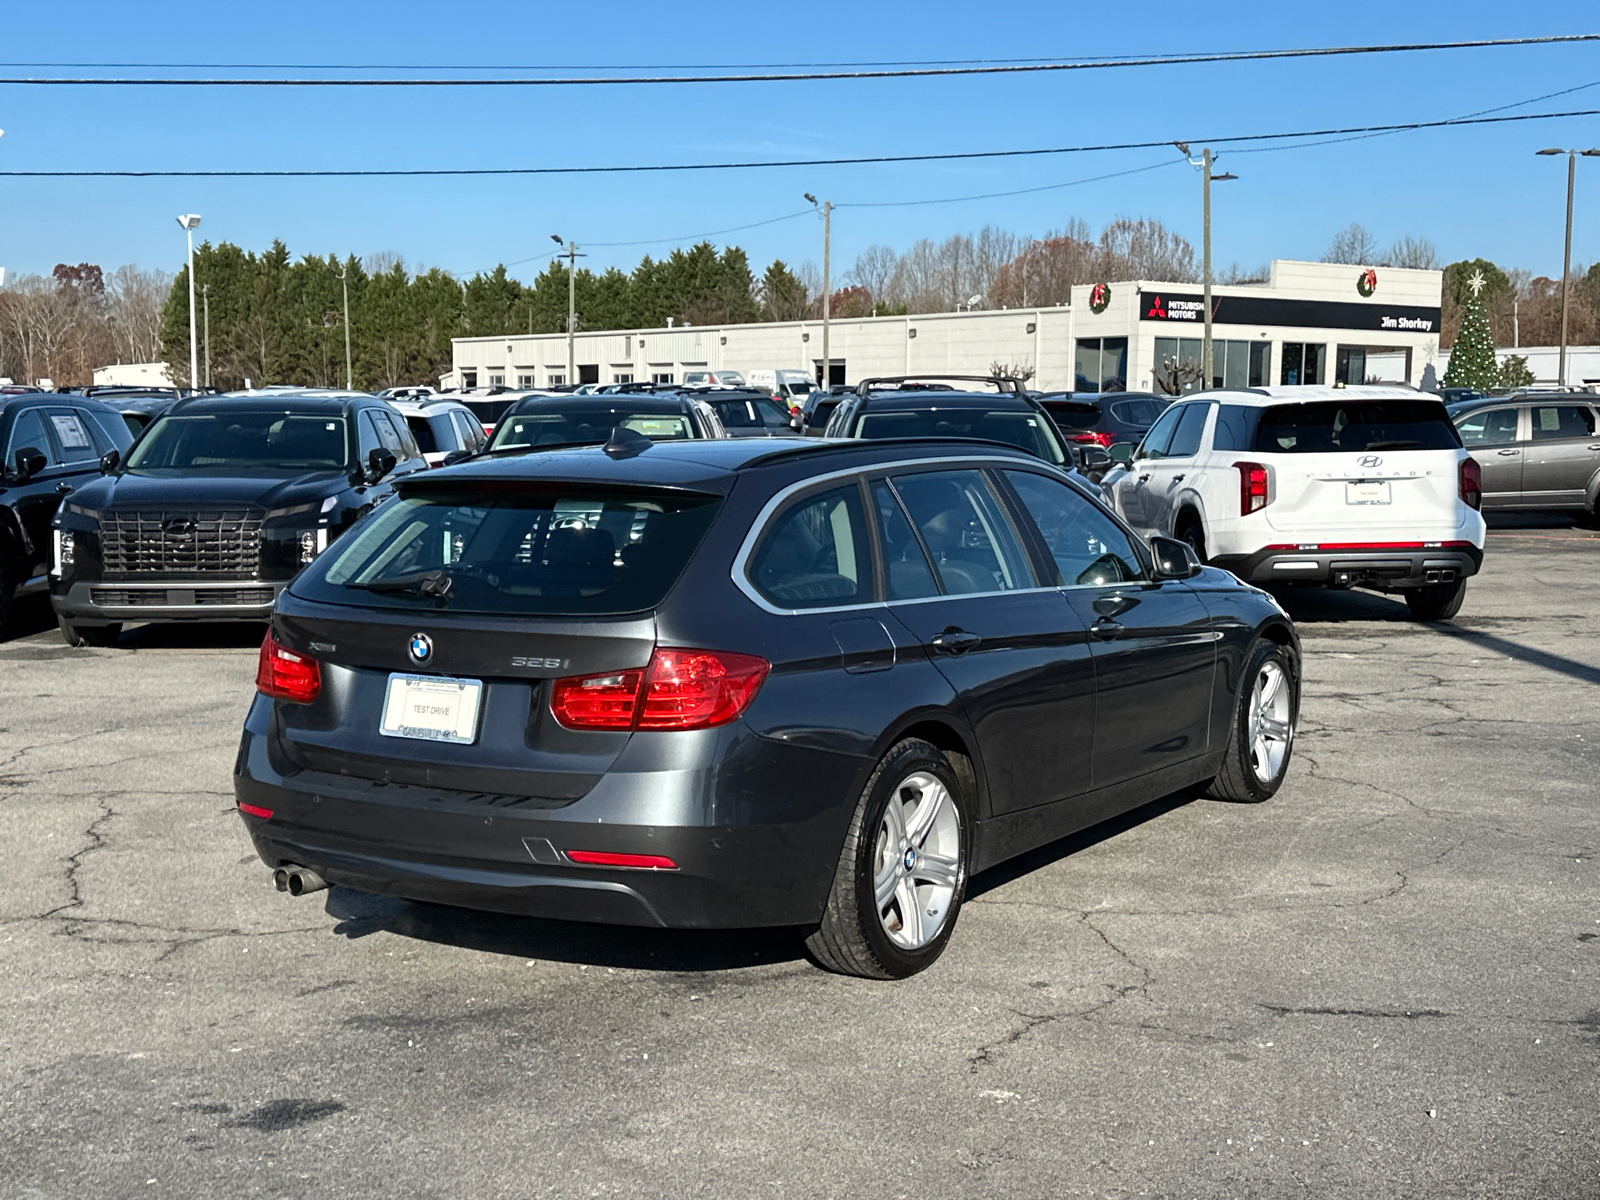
1252	488
679	689
285	674
1090	438
1471	483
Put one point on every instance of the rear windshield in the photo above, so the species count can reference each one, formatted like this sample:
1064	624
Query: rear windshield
1072	417
1025	430
540	552
750	413
244	440
1138	412
1334	426
553	425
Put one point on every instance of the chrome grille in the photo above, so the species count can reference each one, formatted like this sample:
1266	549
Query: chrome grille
222	543
164	597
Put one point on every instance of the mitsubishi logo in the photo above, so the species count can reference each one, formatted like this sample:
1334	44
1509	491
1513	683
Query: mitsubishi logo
1370	460
1158	311
179	527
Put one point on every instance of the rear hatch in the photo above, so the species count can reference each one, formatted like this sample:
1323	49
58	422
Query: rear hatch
1361	470
464	604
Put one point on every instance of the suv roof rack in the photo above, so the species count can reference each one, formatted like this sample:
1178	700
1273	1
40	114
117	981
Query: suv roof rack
1001	383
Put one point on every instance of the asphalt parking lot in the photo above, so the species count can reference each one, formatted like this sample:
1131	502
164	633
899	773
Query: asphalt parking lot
1385	982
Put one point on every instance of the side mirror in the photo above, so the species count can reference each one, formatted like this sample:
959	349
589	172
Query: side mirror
1122	453
109	461
1174	559
380	463
456	456
29	463
1094	458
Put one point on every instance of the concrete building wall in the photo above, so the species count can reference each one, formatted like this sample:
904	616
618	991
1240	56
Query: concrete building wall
133	375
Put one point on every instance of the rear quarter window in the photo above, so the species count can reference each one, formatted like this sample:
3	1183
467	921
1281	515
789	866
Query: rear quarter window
815	553
1345	426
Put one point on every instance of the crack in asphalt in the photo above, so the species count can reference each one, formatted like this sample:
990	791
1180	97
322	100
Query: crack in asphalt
1379	1013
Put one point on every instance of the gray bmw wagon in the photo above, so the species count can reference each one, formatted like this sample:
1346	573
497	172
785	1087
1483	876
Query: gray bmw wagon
716	684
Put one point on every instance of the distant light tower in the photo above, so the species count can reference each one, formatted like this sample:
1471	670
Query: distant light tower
1566	257
191	222
1207	179
826	209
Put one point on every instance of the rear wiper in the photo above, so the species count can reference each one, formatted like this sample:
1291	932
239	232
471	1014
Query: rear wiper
1398	444
428	583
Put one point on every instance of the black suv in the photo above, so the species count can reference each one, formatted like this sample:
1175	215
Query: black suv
911	407
53	444
552	422
218	504
1105	419
725	683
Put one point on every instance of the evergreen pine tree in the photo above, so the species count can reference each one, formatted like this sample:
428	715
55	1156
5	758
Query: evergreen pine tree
1472	362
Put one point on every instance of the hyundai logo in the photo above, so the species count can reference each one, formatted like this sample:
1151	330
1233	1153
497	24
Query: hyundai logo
421	648
1370	460
179	527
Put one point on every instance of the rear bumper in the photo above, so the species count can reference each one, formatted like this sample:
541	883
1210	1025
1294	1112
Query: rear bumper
166	600
508	854
1385	567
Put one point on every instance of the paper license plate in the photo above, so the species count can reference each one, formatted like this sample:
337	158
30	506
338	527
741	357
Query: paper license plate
433	708
1366	493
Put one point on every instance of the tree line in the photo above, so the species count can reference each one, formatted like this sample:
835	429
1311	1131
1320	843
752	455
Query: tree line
63	326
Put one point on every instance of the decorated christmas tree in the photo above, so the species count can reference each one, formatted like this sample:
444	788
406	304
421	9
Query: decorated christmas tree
1472	361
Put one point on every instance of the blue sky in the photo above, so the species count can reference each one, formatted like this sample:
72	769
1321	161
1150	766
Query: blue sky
1476	191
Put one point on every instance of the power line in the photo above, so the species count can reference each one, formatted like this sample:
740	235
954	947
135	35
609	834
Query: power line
656	168
998	68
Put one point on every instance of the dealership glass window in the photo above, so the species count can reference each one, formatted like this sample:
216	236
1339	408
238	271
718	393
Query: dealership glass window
1177	365
1302	363
1350	364
1101	365
524	381
1234	363
469	379
1260	364
555	378
660	376
621	376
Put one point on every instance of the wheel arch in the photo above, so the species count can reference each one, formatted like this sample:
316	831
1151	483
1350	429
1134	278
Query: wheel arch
942	730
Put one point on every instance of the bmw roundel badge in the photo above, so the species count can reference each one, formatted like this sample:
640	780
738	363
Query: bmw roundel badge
421	648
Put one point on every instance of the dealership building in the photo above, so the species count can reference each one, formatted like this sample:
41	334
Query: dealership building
1306	323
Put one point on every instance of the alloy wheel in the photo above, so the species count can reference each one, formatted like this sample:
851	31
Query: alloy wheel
917	861
1271	730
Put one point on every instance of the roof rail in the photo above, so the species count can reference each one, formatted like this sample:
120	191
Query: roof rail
839	445
1001	383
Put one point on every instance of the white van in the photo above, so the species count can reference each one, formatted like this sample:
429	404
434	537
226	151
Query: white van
1344	487
790	386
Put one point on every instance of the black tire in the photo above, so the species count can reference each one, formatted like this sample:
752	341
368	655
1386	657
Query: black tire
1239	780
852	939
87	635
1191	531
1437	601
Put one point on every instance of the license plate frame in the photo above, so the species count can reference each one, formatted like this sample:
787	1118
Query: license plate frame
454	723
1368	491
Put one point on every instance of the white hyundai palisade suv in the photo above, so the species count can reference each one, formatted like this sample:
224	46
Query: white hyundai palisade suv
1341	486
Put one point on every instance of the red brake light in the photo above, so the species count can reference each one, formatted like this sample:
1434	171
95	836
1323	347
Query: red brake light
1252	487
1089	438
255	810
1471	483
285	674
680	689
642	862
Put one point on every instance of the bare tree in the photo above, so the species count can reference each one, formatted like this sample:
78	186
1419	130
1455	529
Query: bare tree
1021	372
1412	253
134	299
874	269
1145	249
1353	245
1234	273
381	262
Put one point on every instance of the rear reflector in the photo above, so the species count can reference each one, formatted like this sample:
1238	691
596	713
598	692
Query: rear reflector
1252	487
285	674
1339	546
637	862
679	689
253	810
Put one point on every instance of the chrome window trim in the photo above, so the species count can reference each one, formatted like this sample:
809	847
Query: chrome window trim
763	519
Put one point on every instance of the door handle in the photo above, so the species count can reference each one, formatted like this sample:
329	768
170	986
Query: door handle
63	488
1143	478
1177	479
955	641
1595	447
1105	629
1503	453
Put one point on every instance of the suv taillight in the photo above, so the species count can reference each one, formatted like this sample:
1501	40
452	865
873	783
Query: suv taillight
679	689
1252	488
285	674
1471	483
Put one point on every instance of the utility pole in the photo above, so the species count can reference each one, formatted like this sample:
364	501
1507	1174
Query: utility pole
1566	256
190	222
826	209
349	373
205	300
1208	378
572	256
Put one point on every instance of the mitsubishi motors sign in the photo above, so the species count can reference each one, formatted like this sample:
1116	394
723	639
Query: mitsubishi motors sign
1373	316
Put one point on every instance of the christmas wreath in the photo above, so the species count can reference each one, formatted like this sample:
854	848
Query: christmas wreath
1099	297
1367	282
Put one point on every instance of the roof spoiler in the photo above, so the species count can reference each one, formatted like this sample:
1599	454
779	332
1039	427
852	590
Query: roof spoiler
1001	383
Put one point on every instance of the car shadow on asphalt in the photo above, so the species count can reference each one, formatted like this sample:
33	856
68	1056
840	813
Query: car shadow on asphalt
673	950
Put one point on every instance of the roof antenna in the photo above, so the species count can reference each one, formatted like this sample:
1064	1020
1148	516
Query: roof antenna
626	443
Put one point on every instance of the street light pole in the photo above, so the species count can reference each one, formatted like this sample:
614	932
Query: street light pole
189	222
205	300
572	256
1566	254
826	209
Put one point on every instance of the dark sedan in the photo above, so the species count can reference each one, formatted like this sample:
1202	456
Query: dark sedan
217	505
715	684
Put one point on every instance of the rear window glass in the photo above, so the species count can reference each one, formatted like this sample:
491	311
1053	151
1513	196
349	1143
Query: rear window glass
536	552
423	433
1024	429
750	413
1235	428
1549	421
274	442
816	554
1138	412
1072	417
1341	426
588	425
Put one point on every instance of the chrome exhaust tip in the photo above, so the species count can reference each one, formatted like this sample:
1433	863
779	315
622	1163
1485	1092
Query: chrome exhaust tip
280	879
302	881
